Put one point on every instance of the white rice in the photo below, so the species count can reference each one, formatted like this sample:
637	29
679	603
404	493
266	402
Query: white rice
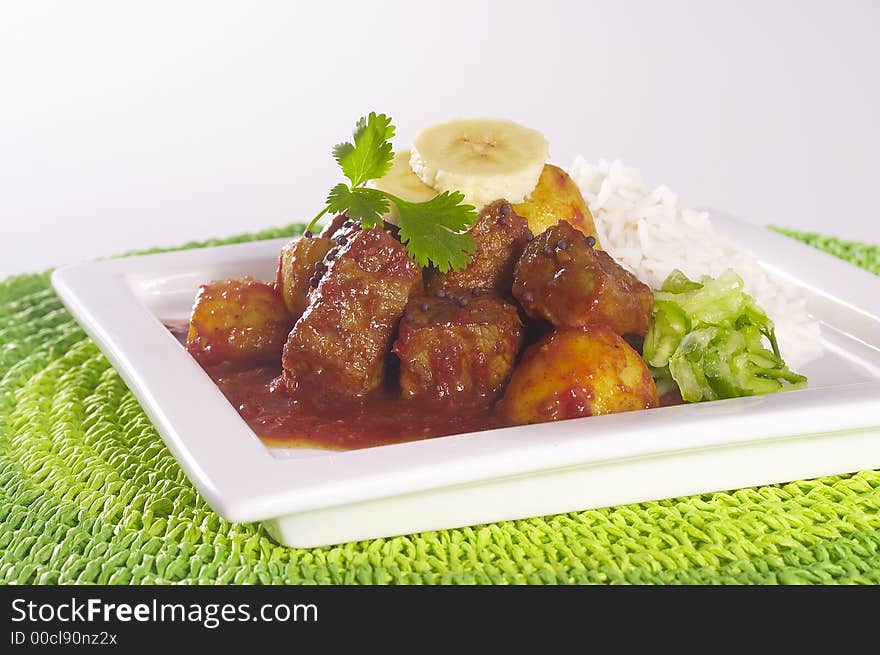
647	231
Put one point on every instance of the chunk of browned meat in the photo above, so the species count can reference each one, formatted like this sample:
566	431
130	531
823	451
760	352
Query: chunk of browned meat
334	226
460	347
561	278
500	235
237	321
340	343
296	268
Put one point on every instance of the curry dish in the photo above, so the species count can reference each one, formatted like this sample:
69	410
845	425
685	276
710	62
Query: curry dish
355	344
462	286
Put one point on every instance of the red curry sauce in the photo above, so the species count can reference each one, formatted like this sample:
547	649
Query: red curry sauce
383	418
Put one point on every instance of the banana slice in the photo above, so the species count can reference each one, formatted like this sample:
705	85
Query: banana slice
484	158
403	183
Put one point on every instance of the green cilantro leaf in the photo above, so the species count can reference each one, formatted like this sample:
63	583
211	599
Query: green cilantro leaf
431	230
360	204
369	157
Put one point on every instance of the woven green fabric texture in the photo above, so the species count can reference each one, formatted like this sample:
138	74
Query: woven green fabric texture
90	494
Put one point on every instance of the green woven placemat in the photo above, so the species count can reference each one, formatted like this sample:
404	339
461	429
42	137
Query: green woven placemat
90	494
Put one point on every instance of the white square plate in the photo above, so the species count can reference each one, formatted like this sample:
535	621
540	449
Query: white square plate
310	497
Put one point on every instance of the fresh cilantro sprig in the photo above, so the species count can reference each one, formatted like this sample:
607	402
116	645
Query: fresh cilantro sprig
432	231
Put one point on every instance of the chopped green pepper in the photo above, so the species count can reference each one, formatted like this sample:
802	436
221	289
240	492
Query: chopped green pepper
708	337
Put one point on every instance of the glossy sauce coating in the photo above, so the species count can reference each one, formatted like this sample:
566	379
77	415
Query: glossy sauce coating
341	342
458	346
500	236
563	279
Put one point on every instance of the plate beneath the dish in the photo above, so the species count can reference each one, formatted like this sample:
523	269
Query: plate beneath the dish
310	497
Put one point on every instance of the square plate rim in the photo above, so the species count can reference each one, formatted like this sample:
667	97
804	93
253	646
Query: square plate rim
243	482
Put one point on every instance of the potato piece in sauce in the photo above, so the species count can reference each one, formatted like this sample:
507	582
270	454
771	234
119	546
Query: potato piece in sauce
556	198
237	320
296	268
577	372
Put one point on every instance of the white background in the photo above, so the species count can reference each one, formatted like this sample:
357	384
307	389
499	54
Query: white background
125	125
